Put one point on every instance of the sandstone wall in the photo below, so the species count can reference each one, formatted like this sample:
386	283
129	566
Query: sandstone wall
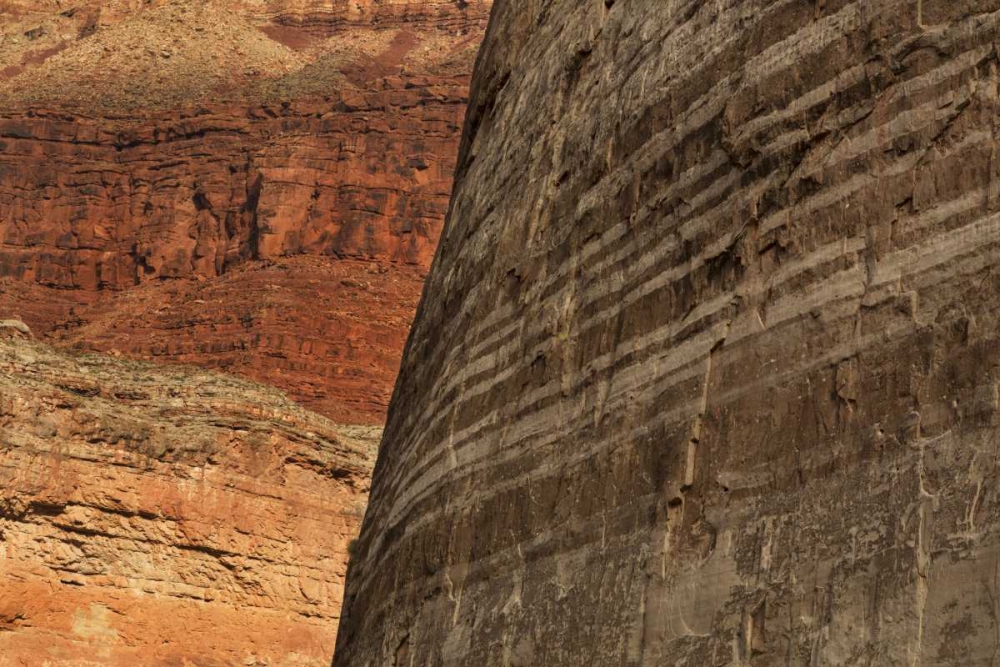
167	517
92	205
329	332
706	370
143	143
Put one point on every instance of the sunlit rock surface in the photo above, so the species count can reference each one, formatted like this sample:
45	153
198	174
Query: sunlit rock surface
182	142
153	516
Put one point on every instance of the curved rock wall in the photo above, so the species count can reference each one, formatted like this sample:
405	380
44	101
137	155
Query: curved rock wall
705	373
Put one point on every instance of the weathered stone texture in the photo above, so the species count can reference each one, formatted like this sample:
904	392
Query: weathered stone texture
167	517
186	141
331	332
706	369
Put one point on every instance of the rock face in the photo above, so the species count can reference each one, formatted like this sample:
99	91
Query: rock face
331	331
144	142
167	517
249	185
706	370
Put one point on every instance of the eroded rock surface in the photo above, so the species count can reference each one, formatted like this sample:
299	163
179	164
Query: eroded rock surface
330	331
158	517
706	373
181	141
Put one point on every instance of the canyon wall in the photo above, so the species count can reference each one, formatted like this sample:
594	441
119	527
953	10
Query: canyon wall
256	186
706	370
153	516
144	143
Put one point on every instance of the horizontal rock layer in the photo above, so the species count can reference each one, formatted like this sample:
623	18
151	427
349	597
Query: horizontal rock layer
705	374
329	332
167	517
149	143
87	205
367	13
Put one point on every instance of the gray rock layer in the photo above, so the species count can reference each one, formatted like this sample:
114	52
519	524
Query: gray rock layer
706	372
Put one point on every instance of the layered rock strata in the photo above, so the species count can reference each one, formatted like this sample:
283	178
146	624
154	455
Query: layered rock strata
152	142
706	370
330	331
163	517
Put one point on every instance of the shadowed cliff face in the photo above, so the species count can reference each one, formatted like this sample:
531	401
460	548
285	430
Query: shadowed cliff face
143	143
706	370
161	517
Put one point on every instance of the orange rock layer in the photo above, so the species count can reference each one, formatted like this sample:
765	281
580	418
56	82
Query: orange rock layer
161	517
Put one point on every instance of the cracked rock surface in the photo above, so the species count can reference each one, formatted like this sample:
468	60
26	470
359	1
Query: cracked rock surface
706	373
158	517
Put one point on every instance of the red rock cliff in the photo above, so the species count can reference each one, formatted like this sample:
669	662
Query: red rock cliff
252	185
146	144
